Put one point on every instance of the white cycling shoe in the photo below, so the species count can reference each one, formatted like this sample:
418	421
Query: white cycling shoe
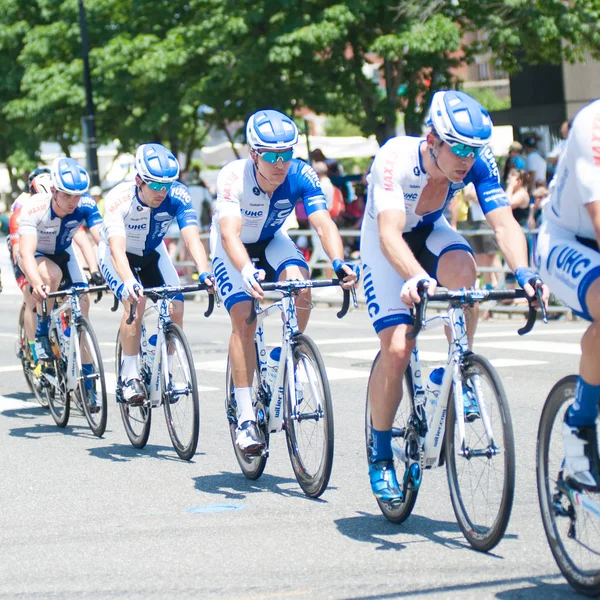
249	438
581	465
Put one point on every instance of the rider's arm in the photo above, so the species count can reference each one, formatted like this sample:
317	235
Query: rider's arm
231	229
510	237
89	255
118	245
28	263
191	237
328	233
391	224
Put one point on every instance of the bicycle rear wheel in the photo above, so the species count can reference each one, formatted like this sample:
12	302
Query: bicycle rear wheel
31	371
92	386
481	475
394	513
136	419
252	466
309	423
55	386
180	397
573	532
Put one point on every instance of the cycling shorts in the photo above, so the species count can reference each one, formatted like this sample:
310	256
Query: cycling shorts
151	270
568	265
383	284
274	256
72	273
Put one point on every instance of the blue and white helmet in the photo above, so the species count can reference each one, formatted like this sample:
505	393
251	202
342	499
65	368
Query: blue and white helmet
69	176
271	130
154	162
459	119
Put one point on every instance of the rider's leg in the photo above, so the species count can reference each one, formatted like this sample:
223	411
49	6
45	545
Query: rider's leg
29	316
304	299
130	336
457	269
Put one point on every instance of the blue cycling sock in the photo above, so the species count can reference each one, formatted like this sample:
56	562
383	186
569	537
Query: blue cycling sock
43	326
382	445
584	411
88	370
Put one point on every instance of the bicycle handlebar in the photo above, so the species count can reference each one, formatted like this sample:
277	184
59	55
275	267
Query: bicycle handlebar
72	291
470	296
288	287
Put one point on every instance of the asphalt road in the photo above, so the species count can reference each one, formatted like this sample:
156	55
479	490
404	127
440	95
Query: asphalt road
83	517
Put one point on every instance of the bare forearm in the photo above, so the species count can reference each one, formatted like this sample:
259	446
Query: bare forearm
30	268
196	249
400	256
235	250
512	244
331	240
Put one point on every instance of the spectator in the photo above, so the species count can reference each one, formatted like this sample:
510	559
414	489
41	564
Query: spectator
535	165
514	160
558	147
484	246
540	197
96	194
518	196
333	195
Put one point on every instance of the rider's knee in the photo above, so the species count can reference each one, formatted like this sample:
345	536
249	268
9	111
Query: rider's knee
238	314
590	342
457	270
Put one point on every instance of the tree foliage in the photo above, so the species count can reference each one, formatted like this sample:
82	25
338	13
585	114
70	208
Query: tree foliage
170	70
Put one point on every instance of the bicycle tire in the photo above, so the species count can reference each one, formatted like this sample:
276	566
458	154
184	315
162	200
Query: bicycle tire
394	513
33	381
473	521
137	420
95	407
252	466
564	546
59	399
312	475
185	448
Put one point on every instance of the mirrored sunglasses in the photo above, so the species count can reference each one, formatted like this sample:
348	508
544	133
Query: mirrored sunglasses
159	187
273	157
464	151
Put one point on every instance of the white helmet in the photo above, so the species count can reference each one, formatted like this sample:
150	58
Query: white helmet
271	130
154	162
41	183
459	119
69	176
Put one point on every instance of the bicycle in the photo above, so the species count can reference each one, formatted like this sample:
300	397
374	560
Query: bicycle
169	381
571	516
478	453
63	377
32	370
307	417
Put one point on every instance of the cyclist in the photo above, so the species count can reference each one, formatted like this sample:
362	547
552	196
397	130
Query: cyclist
136	218
254	198
406	239
569	260
48	223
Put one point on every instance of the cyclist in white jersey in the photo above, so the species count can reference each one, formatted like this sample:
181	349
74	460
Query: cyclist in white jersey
137	215
568	259
48	223
254	198
406	239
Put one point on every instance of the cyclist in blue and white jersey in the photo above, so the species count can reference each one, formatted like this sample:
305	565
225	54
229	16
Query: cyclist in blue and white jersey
47	224
254	198
406	239
568	259
137	215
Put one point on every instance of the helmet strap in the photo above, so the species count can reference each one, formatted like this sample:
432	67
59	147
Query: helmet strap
255	161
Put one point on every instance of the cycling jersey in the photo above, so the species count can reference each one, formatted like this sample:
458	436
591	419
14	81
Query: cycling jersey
397	179
54	233
577	179
240	195
144	228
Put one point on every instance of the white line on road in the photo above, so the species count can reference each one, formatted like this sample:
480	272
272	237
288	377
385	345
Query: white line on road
533	346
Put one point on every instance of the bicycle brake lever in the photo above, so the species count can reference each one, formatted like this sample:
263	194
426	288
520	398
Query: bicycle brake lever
252	316
132	312
211	305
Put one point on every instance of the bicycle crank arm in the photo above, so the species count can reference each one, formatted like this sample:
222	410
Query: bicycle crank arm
50	379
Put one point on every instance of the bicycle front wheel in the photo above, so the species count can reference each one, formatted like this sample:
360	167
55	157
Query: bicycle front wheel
252	466
31	371
136	419
55	387
92	386
481	473
180	395
394	513
309	418
573	531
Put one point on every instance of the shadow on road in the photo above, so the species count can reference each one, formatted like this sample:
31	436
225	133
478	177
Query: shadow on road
125	453
235	486
26	412
370	528
538	587
42	429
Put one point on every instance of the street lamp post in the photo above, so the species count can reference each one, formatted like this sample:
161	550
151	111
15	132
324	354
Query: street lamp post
88	123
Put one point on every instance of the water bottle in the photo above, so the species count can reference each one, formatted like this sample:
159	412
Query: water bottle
432	392
272	366
151	348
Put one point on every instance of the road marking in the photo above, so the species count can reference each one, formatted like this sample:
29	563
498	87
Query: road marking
10	368
214	508
370	353
533	346
14	404
111	384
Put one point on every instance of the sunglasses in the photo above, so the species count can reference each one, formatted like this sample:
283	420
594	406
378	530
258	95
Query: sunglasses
158	187
273	157
464	151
